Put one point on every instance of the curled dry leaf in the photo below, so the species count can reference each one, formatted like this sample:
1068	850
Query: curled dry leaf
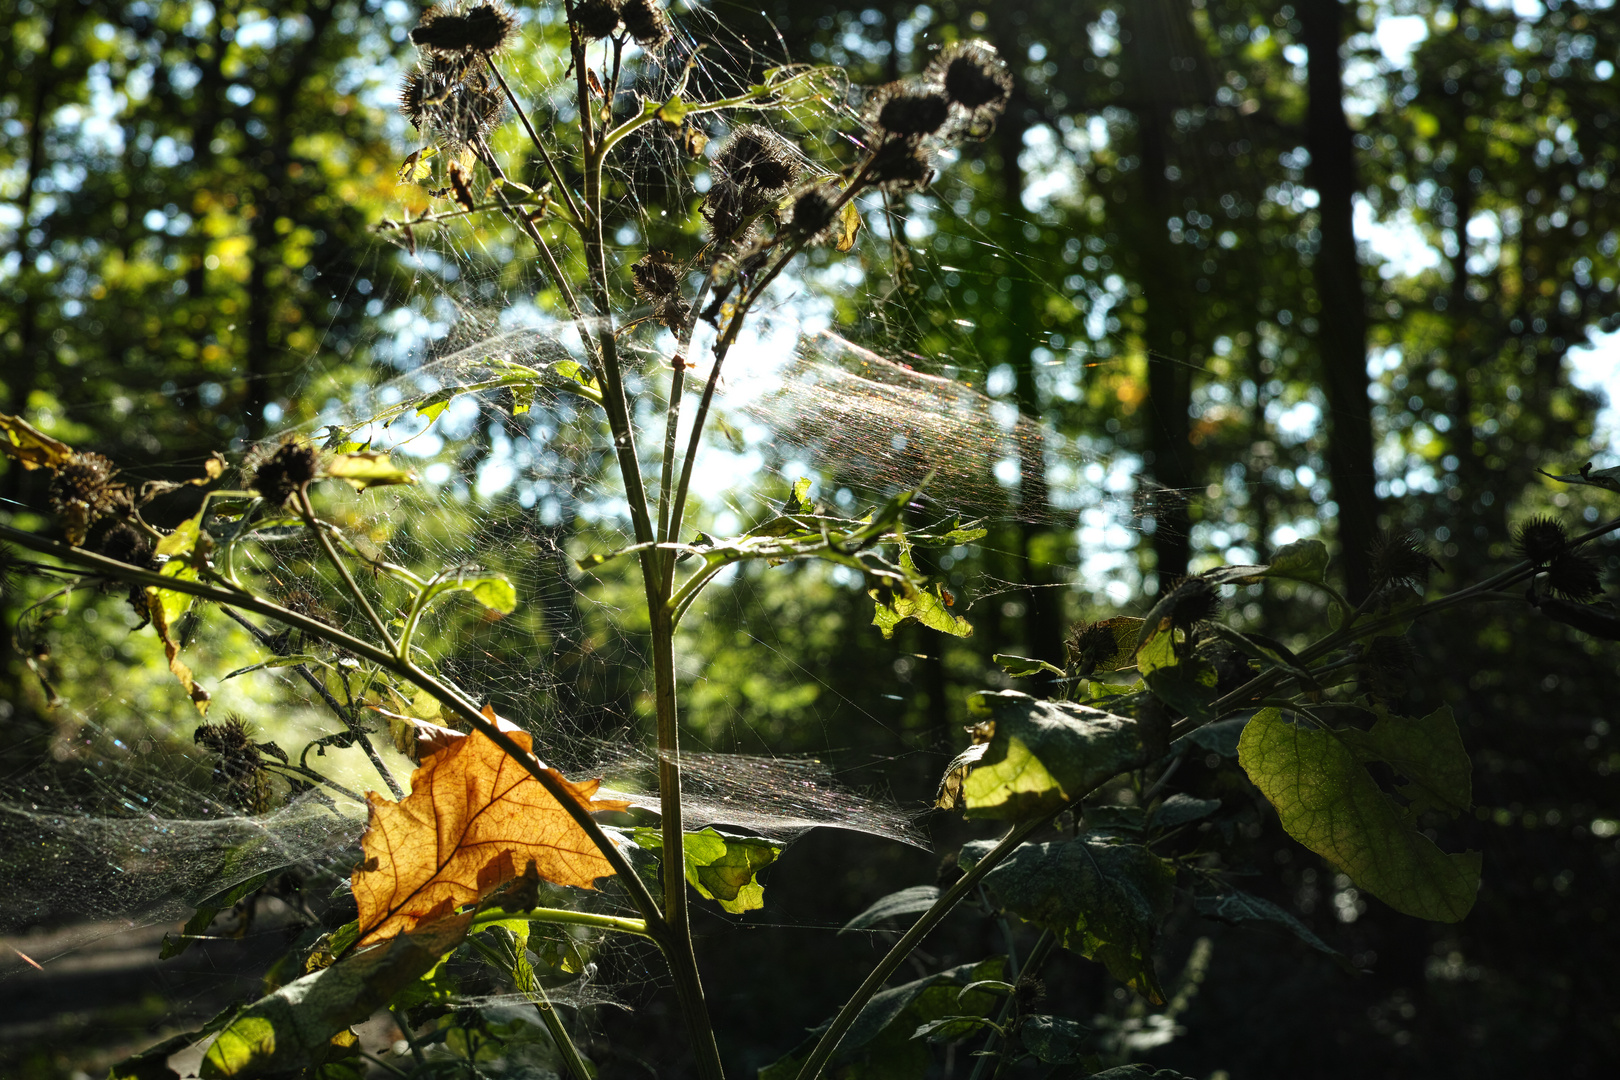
474	820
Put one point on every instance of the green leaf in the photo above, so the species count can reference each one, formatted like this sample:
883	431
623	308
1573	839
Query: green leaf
153	1062
580	376
1107	645
912	901
1608	479
493	591
880	1044
1044	754
1220	738
1020	667
951	1027
1237	908
432	409
1428	752
930	607
1102	900
293	1027
1327	801
720	866
1139	1072
175	944
1185	683
797	499
1181	809
367	468
1303	560
1056	1040
673	111
276	662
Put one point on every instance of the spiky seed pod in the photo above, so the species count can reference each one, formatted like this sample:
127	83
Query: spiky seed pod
86	481
1194	600
913	114
1575	575
291	465
813	212
1540	539
1089	646
658	281
456	103
127	544
1028	992
973	76
901	163
646	22
238	764
729	207
483	29
597	18
758	158
1399	560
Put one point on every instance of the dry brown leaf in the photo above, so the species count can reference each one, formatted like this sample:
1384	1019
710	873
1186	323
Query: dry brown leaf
474	820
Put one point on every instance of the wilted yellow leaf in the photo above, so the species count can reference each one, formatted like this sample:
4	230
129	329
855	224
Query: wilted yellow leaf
31	447
474	820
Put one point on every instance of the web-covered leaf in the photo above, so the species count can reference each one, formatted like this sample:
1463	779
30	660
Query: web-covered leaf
293	1028
1326	800
721	866
474	820
1043	754
1102	900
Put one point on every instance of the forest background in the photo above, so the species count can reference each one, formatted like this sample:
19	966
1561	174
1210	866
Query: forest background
1266	270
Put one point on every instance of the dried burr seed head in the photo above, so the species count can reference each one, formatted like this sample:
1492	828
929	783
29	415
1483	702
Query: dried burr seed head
1541	539
482	29
813	211
906	113
1575	575
974	77
451	99
83	487
293	463
1399	559
597	18
646	22
658	281
1194	600
756	157
126	544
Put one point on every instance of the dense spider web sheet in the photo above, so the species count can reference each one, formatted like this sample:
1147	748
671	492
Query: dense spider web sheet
143	843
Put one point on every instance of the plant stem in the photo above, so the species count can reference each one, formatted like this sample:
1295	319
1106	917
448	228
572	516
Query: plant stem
559	1035
1037	957
410	1040
534	138
835	1032
307	511
563	916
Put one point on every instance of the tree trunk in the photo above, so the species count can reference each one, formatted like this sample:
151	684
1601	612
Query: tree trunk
1342	318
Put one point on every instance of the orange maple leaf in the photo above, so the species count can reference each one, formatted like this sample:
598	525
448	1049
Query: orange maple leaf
474	820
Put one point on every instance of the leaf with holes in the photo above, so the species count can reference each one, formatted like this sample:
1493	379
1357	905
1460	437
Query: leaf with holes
1327	801
474	820
720	866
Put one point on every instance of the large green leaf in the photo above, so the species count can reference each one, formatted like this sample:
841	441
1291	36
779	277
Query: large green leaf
1044	754
1056	1040
1303	560
1102	900
912	901
1185	683
880	1045
1428	752
1237	907
293	1027
1327	801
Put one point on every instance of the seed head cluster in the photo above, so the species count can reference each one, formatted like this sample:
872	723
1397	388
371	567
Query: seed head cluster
238	763
292	464
1541	539
597	18
482	30
84	492
452	99
974	77
658	281
813	212
751	174
645	21
1400	560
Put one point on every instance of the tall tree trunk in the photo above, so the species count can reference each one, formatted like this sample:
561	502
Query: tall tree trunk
1342	318
1153	27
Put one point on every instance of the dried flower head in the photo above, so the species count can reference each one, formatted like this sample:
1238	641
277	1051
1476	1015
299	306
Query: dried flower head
597	18
1028	992
292	464
907	113
974	77
901	163
1193	600
1089	646
756	157
452	100
1540	539
238	764
83	492
646	22
813	212
1575	575
658	281
730	208
482	29
1399	559
127	544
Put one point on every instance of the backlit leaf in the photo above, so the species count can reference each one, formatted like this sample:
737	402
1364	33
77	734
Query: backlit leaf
293	1027
1303	560
1327	801
31	447
367	468
1020	667
1102	900
722	867
1043	754
474	820
849	223
1428	752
